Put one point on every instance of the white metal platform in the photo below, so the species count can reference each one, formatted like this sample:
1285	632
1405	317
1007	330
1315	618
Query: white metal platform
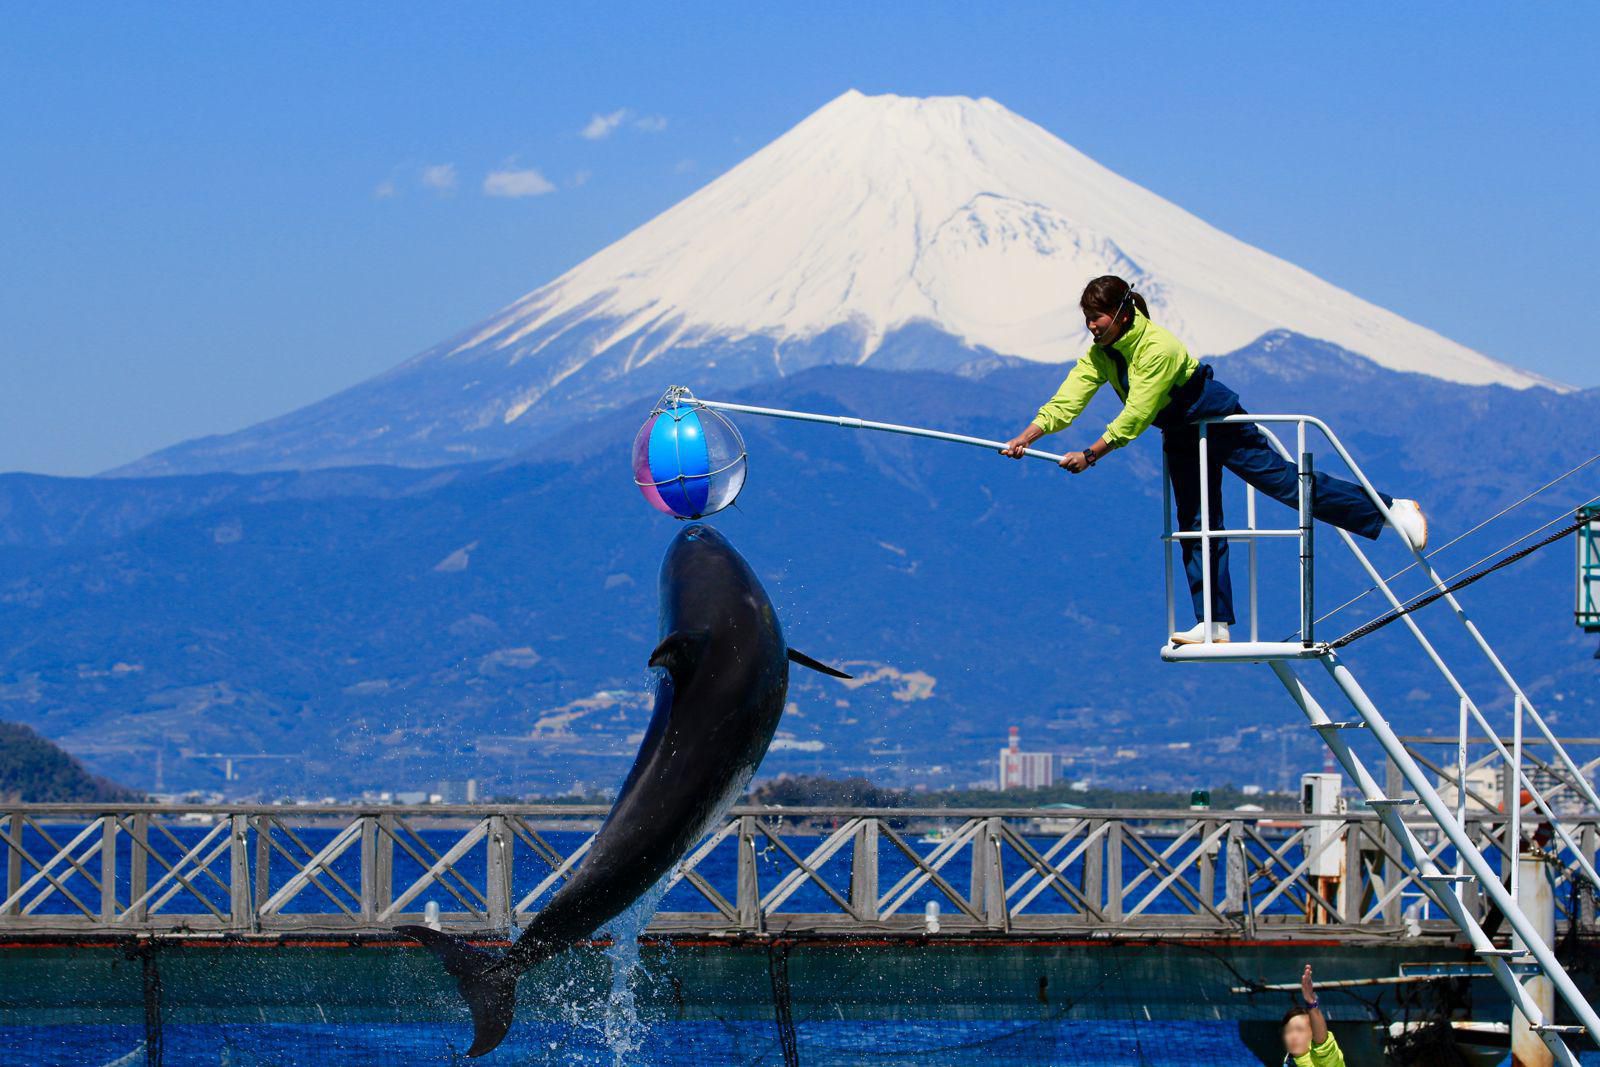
1239	652
1529	980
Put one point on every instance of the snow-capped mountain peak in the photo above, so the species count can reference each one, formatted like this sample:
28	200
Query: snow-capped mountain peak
898	232
878	211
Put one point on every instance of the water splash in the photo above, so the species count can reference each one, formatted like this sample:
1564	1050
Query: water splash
605	1008
624	1030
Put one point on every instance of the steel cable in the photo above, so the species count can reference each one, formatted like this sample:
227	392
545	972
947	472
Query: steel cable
1460	537
1451	586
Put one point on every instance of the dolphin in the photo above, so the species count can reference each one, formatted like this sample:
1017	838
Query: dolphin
724	673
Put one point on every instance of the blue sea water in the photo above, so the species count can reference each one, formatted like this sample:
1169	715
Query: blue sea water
602	1024
671	1044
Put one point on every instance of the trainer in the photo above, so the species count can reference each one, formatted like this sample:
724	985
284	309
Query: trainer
1161	384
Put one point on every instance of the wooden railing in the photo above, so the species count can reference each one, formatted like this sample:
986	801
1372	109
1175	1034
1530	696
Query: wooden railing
264	870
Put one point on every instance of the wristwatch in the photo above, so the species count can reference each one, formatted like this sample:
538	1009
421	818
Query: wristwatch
1089	457
1311	1005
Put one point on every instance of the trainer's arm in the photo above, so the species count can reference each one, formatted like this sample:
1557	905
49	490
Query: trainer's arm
1060	410
1319	1022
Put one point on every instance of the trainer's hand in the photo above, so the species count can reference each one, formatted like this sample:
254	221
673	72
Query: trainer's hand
1015	447
1307	990
1074	462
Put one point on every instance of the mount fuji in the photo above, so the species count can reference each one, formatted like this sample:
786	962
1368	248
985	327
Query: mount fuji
939	234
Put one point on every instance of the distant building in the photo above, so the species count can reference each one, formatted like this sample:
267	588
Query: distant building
1025	770
457	791
1483	789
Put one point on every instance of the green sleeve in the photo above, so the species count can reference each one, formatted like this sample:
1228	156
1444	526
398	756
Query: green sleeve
1327	1054
1074	395
1150	380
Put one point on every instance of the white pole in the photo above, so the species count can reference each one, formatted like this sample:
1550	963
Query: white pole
1461	789
1515	797
1250	523
1166	541
1390	818
1205	539
1488	879
1536	898
862	424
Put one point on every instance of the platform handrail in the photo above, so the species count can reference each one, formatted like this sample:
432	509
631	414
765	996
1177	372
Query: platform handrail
1522	705
1469	859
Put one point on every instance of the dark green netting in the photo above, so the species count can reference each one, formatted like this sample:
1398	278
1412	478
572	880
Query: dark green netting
808	1002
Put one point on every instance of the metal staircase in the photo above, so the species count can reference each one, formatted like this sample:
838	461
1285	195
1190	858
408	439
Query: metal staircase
1520	969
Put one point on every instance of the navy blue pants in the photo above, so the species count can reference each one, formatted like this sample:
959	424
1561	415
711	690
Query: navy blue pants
1243	449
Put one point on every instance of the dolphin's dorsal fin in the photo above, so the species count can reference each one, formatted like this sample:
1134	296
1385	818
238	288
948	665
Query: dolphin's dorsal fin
679	653
806	661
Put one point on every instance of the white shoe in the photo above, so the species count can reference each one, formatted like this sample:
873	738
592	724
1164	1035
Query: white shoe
1197	635
1407	514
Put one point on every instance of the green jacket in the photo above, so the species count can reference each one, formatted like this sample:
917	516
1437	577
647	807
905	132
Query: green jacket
1144	366
1327	1054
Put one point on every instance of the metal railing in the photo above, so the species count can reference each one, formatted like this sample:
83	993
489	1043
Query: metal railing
1472	870
242	870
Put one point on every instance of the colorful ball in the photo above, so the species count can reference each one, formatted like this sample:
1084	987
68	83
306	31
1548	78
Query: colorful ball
688	461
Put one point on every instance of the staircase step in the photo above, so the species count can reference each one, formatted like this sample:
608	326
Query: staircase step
1338	726
1552	1028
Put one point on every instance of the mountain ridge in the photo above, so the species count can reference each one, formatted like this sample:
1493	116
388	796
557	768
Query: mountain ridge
494	622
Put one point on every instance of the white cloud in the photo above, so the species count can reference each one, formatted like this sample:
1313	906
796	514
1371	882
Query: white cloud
580	179
385	190
517	183
684	166
651	123
603	125
440	177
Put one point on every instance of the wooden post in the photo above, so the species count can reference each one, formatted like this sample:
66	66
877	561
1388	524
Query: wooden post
1352	886
108	868
1094	865
977	874
1234	876
749	891
1586	842
13	860
263	862
139	867
864	872
369	869
1394	785
241	913
499	873
1208	864
383	890
1113	908
997	916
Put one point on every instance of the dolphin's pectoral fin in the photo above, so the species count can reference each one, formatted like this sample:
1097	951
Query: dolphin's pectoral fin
806	661
487	984
679	653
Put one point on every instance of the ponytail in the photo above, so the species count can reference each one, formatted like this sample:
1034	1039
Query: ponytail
1110	295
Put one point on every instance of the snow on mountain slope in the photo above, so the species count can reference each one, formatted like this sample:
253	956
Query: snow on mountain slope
903	233
881	211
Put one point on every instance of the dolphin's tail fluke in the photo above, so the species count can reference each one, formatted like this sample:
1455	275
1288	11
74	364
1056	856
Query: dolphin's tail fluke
488	985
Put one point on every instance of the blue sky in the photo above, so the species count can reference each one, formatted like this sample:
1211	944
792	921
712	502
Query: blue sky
210	215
